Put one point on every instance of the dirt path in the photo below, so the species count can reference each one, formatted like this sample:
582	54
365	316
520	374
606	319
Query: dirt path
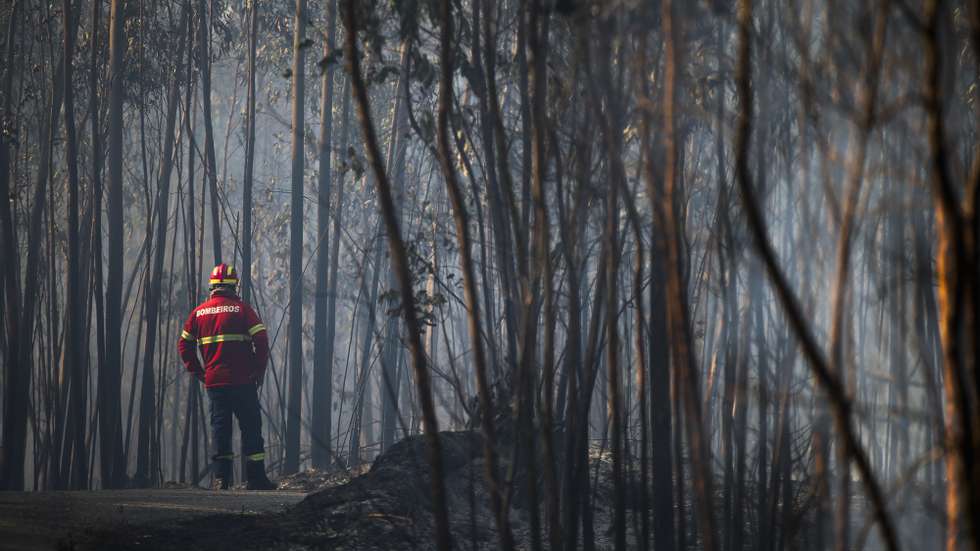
54	520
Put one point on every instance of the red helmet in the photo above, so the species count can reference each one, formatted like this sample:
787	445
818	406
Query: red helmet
223	274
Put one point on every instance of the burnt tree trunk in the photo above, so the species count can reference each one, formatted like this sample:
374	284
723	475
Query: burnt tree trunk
110	412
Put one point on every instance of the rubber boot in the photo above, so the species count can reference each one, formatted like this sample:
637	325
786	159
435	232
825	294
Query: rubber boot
222	474
256	478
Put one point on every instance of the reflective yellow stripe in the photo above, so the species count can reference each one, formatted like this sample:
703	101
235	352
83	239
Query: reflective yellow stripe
222	281
256	457
187	336
231	337
229	456
255	329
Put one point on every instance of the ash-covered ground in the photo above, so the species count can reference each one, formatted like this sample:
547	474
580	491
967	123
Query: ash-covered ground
388	507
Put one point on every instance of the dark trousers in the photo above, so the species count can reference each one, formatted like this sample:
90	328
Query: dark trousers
242	401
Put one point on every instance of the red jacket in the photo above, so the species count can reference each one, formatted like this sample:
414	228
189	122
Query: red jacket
232	340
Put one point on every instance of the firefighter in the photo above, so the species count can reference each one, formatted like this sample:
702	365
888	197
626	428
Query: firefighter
235	347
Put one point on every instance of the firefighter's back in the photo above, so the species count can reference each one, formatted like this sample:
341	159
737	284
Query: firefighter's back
224	340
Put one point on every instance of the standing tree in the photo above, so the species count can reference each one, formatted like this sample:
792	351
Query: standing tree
75	352
146	460
323	364
110	411
204	15
295	359
248	175
15	376
399	263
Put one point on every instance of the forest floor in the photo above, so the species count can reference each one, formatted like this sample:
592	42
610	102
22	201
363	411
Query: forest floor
64	520
386	508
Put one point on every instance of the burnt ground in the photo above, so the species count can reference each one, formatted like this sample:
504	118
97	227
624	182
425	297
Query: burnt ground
61	520
387	508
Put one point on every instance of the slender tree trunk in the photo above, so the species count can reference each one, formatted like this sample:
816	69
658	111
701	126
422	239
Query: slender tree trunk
210	167
762	386
612	134
525	132
145	474
192	272
399	260
677	307
728	270
504	199
74	365
94	226
323	364
460	216
291	464
538	46
897	300
955	267
16	405
247	178
396	167
338	220
362	390
110	419
733	528
661	437
15	379
818	363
